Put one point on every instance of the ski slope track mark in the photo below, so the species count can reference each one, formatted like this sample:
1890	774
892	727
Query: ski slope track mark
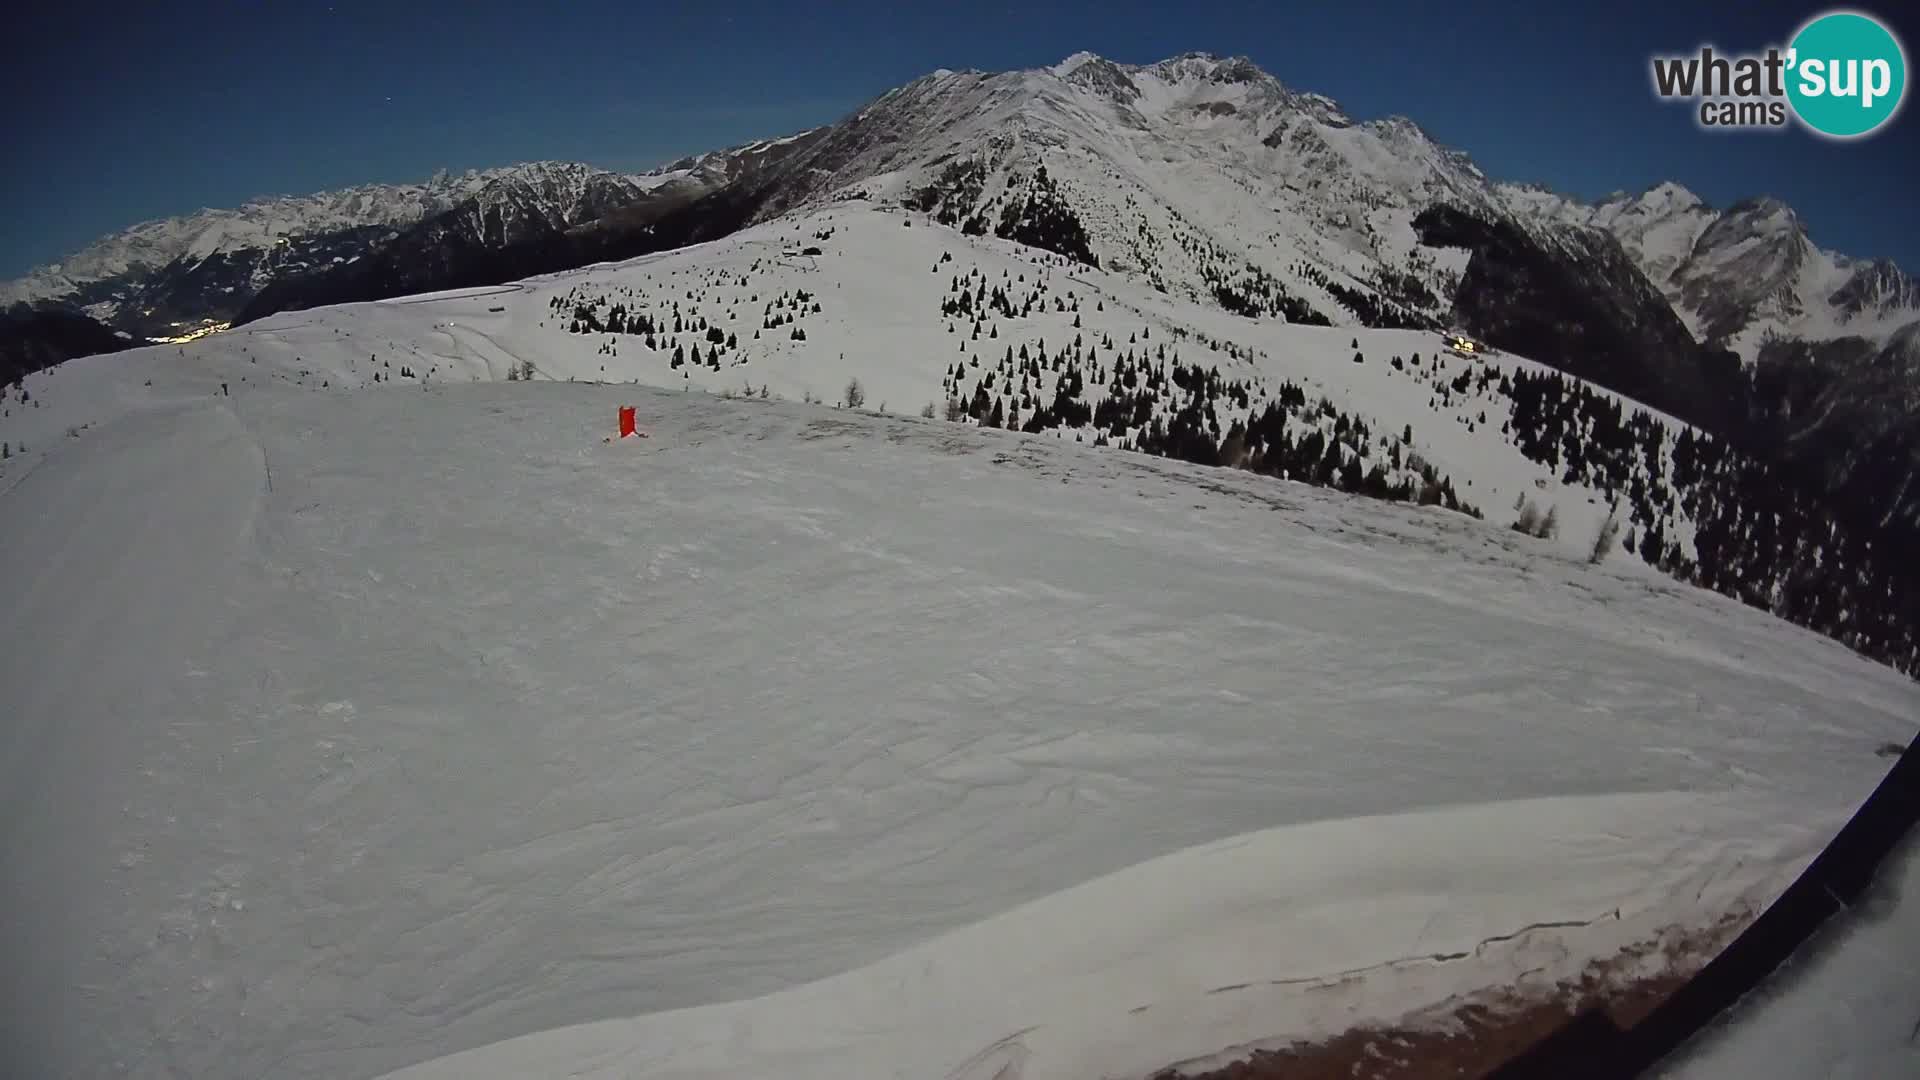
134	537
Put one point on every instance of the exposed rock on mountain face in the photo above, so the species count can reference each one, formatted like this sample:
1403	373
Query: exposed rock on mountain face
1829	342
1743	275
1582	299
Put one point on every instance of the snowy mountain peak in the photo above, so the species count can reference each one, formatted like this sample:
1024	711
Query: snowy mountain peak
1240	69
1661	199
1183	75
1672	196
1878	286
1765	212
1739	276
1191	61
1207	67
1100	75
1397	129
1072	63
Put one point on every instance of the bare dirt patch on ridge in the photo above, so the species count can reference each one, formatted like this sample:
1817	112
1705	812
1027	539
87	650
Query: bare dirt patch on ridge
1475	1035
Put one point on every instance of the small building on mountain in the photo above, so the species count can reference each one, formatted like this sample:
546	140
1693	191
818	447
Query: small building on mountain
1460	344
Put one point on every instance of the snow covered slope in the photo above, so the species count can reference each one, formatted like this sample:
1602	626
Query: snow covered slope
380	709
1202	177
889	287
416	719
1296	933
928	318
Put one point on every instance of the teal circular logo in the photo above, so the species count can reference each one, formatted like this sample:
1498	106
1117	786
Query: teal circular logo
1847	74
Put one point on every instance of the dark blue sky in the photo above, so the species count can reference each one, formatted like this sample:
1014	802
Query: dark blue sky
129	111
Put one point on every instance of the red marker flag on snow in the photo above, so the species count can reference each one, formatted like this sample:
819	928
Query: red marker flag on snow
627	421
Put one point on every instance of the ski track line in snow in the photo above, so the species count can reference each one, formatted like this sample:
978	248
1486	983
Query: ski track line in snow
129	539
468	293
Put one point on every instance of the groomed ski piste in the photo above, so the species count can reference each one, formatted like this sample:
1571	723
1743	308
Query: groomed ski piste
357	729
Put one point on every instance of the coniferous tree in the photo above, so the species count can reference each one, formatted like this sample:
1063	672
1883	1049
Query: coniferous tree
980	405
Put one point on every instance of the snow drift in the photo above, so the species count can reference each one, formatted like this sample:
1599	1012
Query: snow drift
1300	932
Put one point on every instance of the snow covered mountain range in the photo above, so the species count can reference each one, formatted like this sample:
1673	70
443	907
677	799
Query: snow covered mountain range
1745	274
163	278
1204	174
1206	179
